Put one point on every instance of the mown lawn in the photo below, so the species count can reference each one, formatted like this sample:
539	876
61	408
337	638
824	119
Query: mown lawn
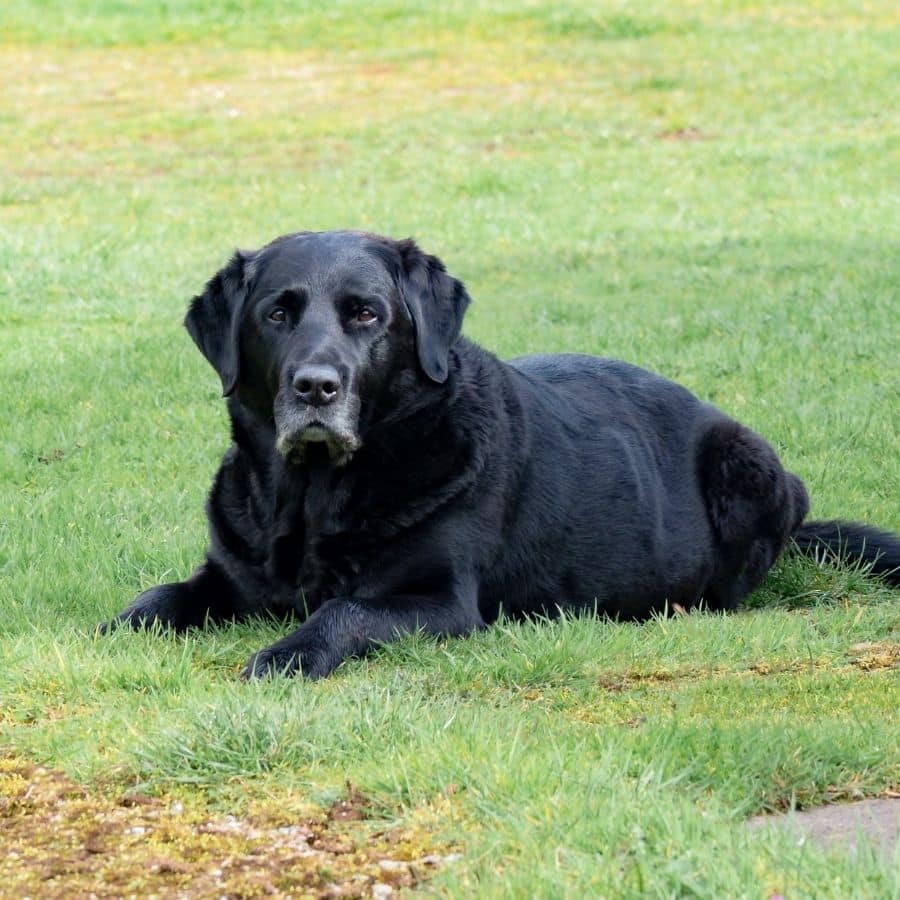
709	190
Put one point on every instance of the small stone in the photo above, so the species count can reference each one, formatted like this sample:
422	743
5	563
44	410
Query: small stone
393	865
381	890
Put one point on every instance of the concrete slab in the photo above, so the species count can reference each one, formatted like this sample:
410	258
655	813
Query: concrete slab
841	825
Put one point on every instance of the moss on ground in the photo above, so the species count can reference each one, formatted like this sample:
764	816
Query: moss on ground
63	840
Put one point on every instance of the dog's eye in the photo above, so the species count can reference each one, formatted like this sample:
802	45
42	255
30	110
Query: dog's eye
365	315
277	315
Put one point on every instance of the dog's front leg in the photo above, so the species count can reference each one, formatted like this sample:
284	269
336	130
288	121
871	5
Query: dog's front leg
346	627
206	596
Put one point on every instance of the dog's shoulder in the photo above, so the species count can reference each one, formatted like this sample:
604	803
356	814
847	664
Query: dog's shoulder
422	460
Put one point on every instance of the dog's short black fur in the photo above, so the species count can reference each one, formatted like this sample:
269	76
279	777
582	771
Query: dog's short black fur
387	475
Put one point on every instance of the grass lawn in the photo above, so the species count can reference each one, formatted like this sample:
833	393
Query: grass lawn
709	190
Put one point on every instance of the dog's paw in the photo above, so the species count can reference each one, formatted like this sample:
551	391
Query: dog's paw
162	605
286	659
269	663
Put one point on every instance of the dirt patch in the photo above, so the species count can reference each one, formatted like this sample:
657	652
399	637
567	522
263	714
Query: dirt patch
61	840
683	134
616	683
876	655
866	657
842	826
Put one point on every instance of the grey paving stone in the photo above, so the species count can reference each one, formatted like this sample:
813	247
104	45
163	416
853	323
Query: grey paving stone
842	825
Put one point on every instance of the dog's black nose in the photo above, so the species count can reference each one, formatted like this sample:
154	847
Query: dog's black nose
317	385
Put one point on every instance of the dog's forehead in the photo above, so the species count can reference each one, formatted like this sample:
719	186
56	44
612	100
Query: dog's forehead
320	263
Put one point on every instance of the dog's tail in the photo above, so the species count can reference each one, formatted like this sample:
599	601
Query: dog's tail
852	543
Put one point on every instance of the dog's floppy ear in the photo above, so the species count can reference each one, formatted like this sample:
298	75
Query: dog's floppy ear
436	303
213	319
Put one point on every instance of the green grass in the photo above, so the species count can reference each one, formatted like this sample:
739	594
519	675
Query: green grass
707	190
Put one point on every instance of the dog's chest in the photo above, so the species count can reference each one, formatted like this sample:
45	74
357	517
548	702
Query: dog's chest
328	565
318	550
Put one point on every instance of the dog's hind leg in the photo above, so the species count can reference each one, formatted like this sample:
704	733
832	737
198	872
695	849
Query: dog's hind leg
754	506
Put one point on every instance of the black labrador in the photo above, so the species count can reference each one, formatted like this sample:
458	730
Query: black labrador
388	475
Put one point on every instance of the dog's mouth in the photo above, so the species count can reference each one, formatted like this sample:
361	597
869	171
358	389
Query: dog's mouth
300	445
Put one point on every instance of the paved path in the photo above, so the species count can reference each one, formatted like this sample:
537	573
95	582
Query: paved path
840	825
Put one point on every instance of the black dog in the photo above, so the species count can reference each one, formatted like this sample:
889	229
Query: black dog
387	475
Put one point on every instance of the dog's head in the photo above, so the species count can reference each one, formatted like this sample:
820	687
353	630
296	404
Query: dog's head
318	331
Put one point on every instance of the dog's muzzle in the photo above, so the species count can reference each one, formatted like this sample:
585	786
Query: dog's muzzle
295	444
301	428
